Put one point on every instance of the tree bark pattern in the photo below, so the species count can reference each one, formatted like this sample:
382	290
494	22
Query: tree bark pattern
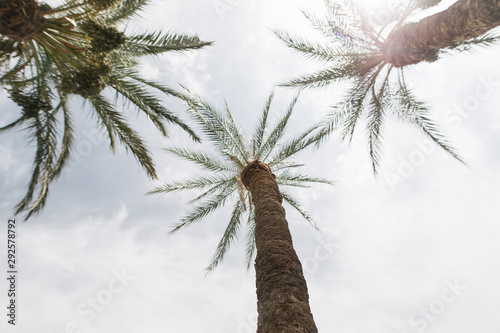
421	41
282	295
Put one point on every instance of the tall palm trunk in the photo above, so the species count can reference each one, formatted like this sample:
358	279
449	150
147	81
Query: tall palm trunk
21	19
465	19
282	296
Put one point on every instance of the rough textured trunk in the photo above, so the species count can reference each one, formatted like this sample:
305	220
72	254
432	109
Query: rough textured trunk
282	296
465	19
21	19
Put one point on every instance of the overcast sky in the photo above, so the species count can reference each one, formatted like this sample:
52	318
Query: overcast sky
413	250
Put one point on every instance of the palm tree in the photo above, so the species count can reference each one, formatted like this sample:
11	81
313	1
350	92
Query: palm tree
49	54
253	175
459	25
371	54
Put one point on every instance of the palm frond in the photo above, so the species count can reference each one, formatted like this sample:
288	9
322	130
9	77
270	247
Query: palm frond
60	58
351	110
44	133
166	114
144	101
202	159
127	10
37	136
133	74
155	43
7	47
348	24
213	189
277	133
294	203
469	45
322	78
260	130
115	125
311	50
223	180
67	140
205	208
287	178
228	237
374	126
294	146
235	131
321	24
214	182
19	121
416	113
285	165
356	51
250	237
218	129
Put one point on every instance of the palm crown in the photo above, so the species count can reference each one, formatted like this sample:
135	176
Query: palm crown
78	49
356	51
222	182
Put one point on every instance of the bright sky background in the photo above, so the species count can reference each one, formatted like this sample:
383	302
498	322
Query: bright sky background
414	250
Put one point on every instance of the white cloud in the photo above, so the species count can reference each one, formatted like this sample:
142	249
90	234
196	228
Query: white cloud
394	246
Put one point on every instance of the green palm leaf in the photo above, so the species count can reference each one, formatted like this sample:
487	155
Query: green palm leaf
115	125
260	130
287	178
207	207
222	182
83	49
213	181
127	10
219	130
355	50
228	237
159	42
209	163
294	203
416	113
16	122
293	147
44	133
250	238
276	134
67	140
215	187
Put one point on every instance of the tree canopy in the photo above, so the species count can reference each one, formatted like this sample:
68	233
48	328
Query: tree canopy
82	48
357	48
221	181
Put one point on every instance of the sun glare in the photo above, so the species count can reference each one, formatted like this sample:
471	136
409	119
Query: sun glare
376	5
